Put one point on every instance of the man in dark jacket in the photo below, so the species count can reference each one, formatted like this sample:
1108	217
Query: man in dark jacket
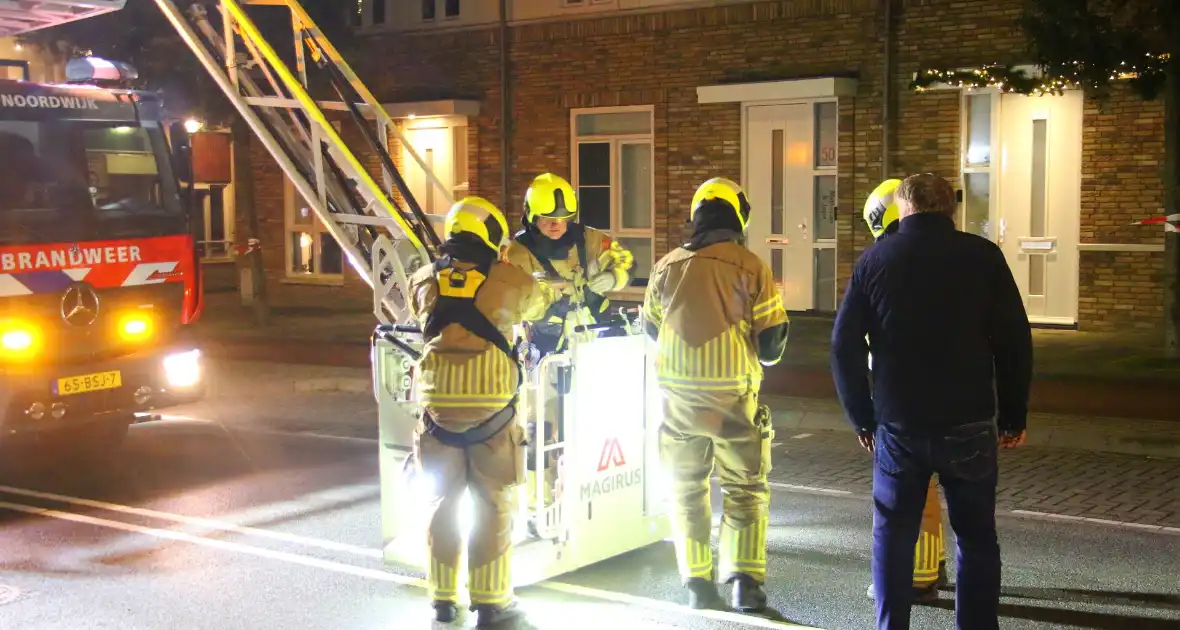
952	366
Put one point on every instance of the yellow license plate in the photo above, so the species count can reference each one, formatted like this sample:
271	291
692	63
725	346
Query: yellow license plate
88	383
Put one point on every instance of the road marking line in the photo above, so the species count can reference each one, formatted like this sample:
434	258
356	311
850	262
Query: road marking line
200	522
623	598
801	436
1050	516
811	489
168	534
339	567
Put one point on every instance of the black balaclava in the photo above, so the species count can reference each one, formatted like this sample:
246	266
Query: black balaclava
713	222
467	247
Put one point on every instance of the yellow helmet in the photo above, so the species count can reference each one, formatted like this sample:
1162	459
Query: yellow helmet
550	196
724	190
880	212
478	216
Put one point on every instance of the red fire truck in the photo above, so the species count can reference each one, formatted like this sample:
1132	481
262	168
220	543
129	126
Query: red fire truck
99	277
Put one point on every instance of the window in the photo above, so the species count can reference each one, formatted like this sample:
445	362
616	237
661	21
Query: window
428	8
217	225
459	153
613	166
312	253
356	15
77	180
451	9
975	214
823	206
378	11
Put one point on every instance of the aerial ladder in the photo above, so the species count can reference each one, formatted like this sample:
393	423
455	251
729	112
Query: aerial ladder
608	498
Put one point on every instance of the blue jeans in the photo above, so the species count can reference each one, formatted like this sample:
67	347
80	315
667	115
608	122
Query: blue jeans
965	460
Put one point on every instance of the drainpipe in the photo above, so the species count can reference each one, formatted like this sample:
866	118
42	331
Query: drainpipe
887	91
505	110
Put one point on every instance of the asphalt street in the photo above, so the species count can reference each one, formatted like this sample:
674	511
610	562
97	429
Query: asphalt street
229	515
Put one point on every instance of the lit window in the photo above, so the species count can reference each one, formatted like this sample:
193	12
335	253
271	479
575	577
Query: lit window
613	165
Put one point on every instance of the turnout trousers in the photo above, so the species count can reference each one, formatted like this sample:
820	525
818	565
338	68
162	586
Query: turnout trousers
489	472
930	551
703	429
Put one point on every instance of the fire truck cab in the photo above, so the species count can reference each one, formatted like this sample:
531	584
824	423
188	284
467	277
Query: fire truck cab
99	277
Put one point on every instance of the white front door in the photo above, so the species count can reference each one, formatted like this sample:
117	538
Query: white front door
435	145
1038	214
790	157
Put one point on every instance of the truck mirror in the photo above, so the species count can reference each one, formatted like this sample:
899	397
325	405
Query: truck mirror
182	152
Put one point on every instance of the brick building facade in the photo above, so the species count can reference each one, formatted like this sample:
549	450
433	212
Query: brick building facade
673	62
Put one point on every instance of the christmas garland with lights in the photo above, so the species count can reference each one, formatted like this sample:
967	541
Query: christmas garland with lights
1012	79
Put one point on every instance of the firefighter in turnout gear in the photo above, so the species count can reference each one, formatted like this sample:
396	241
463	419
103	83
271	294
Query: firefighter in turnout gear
717	317
469	440
882	216
584	263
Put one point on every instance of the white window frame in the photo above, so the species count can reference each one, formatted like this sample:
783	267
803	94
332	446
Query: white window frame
230	216
318	232
616	141
832	171
991	170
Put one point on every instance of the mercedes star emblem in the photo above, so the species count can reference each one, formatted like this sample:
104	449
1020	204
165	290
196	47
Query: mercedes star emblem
79	305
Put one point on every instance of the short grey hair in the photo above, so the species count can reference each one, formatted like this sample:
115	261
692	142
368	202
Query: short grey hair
926	192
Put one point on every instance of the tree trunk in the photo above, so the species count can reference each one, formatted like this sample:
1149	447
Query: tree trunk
244	205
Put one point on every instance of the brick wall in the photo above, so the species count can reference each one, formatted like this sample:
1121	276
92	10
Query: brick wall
660	59
1122	152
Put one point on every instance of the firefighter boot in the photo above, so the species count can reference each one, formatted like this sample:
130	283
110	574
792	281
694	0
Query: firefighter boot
445	612
702	594
747	595
487	615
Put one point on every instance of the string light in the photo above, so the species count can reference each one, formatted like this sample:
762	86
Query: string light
1010	79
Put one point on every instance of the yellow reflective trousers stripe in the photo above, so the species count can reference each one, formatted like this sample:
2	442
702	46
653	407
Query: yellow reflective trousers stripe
744	550
491	584
694	558
443	582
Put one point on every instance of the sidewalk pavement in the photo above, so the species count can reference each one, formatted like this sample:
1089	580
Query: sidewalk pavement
1107	471
1071	469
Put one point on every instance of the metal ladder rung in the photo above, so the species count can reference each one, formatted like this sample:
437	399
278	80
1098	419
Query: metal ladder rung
365	219
290	103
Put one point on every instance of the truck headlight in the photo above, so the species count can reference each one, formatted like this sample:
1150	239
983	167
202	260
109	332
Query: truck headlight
183	369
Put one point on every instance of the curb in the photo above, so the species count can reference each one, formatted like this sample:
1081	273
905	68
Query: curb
1138	400
339	384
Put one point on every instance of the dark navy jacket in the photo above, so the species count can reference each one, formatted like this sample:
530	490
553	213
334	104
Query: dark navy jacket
944	318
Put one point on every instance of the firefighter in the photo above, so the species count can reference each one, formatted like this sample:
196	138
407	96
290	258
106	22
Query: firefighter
585	263
882	216
469	440
716	316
